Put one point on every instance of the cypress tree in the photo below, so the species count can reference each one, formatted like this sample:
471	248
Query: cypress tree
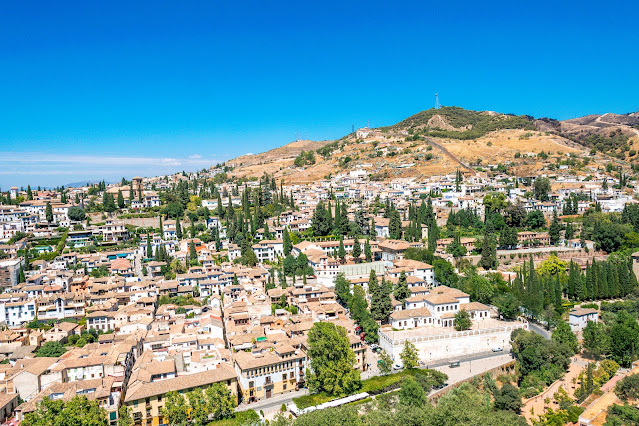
178	229
287	245
402	292
341	252
613	280
149	249
589	290
367	251
557	287
433	235
48	212
357	249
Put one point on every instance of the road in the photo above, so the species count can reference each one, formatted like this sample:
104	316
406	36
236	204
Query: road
539	330
470	365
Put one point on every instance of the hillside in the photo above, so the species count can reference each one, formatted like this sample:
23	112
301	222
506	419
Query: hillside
438	141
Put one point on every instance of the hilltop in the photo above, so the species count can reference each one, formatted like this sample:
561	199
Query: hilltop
438	141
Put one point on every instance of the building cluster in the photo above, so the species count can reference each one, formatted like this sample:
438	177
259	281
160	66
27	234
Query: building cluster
132	334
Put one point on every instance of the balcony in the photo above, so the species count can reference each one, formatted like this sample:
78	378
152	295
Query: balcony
268	381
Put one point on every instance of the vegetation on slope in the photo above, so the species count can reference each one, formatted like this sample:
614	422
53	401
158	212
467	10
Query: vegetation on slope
467	124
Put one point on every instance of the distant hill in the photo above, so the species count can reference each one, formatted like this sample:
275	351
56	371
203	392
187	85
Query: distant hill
84	183
438	141
459	123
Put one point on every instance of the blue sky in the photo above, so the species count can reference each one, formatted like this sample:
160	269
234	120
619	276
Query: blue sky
108	89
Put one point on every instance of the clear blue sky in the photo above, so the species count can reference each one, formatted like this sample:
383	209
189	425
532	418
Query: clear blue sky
105	89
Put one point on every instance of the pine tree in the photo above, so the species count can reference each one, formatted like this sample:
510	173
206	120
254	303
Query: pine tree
21	278
120	200
29	193
178	229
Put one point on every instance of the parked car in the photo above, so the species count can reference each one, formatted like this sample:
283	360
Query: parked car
397	367
498	349
362	336
454	364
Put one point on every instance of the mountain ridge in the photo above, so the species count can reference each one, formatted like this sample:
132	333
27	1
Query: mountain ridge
475	138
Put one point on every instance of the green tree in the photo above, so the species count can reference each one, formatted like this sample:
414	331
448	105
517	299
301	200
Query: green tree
332	360
535	219
48	212
76	213
541	188
456	249
178	229
508	398
322	222
341	251
628	388
596	339
124	416
287	245
402	292
220	400
412	393
120	199
175	410
29	193
624	335
357	248
367	251
193	253
51	349
149	246
342	289
508	237
78	411
555	229
381	305
563	335
462	320
409	355
385	363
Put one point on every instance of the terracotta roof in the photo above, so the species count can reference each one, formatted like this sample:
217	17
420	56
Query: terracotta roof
139	390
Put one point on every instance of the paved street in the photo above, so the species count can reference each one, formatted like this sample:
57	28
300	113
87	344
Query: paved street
539	330
469	366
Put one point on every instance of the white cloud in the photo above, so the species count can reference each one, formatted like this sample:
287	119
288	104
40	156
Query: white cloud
45	167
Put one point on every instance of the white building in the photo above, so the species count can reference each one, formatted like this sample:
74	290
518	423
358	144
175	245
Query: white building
579	317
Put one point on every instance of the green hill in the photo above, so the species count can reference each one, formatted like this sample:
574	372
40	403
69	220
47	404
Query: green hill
459	123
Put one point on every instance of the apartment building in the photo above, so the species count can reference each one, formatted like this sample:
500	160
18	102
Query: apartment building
267	373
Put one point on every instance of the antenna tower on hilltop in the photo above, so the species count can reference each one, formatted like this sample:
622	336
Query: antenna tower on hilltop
437	105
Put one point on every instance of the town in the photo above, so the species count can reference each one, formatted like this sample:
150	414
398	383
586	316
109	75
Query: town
201	296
